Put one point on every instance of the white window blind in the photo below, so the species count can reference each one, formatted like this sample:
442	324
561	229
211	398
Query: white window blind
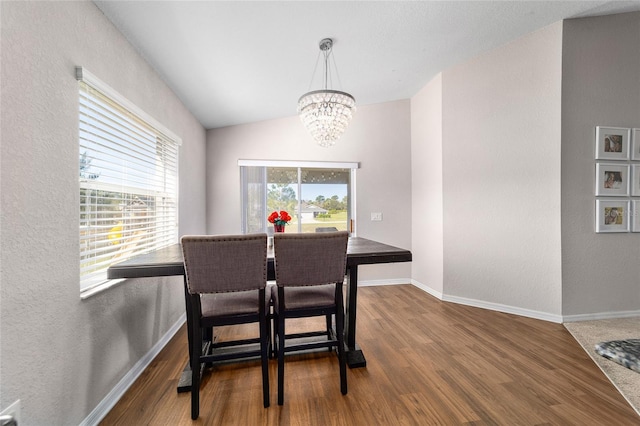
128	171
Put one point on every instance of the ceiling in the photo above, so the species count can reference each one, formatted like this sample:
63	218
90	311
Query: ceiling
234	62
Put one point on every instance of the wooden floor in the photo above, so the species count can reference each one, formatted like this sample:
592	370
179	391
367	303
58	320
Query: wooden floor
428	363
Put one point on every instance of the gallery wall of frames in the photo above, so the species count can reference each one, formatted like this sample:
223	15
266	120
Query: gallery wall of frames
617	180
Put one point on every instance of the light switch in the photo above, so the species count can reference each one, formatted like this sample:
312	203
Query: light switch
376	216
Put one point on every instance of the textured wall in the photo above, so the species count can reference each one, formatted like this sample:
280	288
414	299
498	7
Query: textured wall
426	186
600	87
62	355
501	162
378	138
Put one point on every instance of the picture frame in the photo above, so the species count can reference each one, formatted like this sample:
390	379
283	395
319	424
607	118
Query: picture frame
612	216
635	144
635	216
612	179
612	143
635	180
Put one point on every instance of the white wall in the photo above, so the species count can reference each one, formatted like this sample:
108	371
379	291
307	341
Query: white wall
600	87
501	162
62	355
426	184
378	138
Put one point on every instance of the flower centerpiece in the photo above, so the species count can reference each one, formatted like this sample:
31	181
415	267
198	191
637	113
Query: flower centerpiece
279	220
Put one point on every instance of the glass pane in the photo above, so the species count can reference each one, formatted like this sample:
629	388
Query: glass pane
115	226
325	199
282	188
128	186
254	210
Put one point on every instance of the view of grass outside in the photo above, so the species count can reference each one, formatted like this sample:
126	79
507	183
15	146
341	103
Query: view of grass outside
320	206
313	197
338	219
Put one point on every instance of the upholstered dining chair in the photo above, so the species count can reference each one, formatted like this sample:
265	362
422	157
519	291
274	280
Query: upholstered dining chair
226	279
310	271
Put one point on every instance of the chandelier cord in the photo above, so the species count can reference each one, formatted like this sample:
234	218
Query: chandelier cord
315	68
335	67
326	67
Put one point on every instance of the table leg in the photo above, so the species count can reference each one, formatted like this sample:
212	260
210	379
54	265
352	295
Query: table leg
355	357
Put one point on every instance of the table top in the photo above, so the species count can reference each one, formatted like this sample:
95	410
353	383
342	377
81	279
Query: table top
168	261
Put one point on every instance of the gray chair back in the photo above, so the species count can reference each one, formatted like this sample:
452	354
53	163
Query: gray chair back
225	263
310	259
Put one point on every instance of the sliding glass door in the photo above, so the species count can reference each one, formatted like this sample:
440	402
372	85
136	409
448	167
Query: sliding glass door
316	195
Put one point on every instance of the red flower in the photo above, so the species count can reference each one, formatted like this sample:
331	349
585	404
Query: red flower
281	218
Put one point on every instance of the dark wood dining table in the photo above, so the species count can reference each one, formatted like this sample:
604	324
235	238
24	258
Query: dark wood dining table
168	261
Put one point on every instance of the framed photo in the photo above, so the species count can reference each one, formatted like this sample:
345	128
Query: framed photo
612	216
612	143
635	216
635	144
635	180
612	179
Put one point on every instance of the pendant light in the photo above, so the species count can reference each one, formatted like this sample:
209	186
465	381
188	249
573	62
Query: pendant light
326	113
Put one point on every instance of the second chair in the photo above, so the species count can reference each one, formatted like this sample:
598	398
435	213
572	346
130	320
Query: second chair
310	271
226	283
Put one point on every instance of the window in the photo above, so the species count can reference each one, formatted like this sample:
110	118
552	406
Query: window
315	194
128	174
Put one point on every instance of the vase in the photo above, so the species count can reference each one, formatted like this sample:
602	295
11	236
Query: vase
278	228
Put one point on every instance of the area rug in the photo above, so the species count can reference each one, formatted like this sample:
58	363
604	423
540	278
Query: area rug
624	352
590	333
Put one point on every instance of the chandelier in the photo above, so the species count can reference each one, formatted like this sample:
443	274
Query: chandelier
326	113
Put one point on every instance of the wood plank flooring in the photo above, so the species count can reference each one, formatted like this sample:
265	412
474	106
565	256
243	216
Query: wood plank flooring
428	363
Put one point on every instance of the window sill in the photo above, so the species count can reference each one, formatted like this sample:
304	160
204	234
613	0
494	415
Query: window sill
99	288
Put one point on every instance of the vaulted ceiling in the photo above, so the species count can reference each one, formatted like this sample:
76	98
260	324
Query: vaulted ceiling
233	62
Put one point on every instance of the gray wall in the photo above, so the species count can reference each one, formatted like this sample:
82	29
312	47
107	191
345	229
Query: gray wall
61	355
516	131
501	162
379	139
600	87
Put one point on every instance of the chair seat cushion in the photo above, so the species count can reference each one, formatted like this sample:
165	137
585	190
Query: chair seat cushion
306	296
232	303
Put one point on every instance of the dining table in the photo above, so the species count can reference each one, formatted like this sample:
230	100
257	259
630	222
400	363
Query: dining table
168	261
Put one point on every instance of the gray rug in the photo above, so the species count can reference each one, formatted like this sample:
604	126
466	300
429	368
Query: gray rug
590	333
624	352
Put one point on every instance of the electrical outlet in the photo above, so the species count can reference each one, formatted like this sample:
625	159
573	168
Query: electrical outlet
14	411
376	217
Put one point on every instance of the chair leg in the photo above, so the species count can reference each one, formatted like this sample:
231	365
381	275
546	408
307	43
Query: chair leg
281	333
264	358
196	352
341	352
329	329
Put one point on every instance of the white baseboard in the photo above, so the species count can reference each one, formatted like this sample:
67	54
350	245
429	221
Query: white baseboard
545	316
435	293
600	315
507	309
489	305
103	408
395	281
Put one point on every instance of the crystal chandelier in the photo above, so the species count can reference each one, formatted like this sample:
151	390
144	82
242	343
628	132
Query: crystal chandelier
326	113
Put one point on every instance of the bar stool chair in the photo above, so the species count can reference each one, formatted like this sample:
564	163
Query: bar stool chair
226	279
310	271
